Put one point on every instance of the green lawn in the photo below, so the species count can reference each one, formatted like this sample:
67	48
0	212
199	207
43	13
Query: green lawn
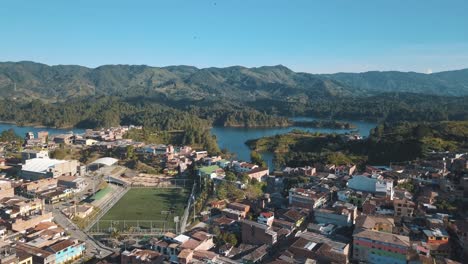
140	205
101	193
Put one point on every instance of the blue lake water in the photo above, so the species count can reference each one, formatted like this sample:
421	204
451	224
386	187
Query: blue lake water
230	138
234	138
22	130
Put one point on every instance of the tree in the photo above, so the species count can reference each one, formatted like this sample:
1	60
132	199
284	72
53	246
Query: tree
59	153
221	191
230	239
9	136
244	178
130	152
253	191
257	159
230	176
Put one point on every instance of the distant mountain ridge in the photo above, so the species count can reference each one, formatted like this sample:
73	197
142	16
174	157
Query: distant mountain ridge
57	83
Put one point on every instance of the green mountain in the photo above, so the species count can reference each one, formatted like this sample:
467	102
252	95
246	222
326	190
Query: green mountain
450	83
31	80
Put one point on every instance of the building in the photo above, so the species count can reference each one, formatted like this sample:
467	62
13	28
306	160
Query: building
258	173
43	135
34	154
257	234
340	214
38	168
66	139
71	182
436	236
375	223
307	198
24	223
9	255
31	189
141	256
266	218
380	247
39	255
6	188
320	248
67	250
375	184
404	207
300	171
345	170
86	141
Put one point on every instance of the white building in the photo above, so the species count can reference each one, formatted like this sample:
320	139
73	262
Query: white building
372	184
39	168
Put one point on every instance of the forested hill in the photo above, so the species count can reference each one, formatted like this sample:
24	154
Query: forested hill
450	83
59	83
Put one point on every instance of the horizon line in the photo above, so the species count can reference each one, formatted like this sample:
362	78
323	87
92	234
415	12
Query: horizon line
225	67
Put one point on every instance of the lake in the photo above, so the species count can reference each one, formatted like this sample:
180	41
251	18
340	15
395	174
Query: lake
230	138
233	138
22	130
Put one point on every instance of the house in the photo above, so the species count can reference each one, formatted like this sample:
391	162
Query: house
266	218
198	240
257	255
257	234
345	170
404	207
86	141
210	171
436	236
6	188
320	248
243	167
30	189
185	256
8	254
340	214
25	223
307	198
380	247
375	223
300	171
39	255
292	215
141	256
34	154
66	139
67	250
55	195
258	173
71	182
81	211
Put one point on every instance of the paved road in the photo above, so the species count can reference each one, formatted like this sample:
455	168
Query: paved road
92	247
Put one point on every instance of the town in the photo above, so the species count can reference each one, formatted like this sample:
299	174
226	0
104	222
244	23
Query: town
100	197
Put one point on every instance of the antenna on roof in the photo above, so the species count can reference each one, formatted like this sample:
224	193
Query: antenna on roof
14	86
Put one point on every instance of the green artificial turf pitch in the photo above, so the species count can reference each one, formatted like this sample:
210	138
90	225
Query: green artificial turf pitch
140	204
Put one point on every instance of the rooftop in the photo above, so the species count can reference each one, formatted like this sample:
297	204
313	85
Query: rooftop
107	161
40	165
384	237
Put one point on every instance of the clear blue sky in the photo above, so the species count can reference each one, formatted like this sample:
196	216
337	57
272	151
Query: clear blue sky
305	35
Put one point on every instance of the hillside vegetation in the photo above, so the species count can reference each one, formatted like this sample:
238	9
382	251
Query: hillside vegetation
387	143
62	82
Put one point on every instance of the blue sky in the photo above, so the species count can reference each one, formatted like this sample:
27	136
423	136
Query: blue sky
305	35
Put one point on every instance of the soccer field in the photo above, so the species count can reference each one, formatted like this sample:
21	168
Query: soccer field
139	206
